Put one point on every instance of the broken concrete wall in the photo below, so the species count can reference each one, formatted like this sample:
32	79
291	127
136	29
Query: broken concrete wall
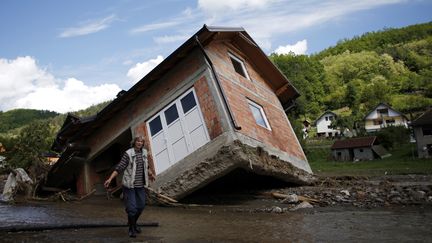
219	158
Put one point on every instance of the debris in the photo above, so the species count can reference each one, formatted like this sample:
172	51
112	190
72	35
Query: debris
276	209
345	192
302	206
292	198
300	198
17	179
162	199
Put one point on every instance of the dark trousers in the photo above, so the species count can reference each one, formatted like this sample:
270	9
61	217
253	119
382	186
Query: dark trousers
134	200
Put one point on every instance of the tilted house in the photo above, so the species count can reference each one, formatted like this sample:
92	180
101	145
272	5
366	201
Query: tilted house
323	125
216	104
383	116
423	133
355	149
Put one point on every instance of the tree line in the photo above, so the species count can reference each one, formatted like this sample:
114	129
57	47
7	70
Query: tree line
393	66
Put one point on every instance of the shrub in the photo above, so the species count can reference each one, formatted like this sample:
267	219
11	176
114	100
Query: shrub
393	136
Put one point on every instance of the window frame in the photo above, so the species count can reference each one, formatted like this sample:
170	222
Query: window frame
242	64
262	112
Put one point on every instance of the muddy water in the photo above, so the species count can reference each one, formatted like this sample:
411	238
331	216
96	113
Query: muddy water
220	224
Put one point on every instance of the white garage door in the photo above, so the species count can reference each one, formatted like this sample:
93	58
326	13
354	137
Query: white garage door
177	131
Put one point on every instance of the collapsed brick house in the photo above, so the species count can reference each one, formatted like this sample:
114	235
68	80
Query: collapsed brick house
214	105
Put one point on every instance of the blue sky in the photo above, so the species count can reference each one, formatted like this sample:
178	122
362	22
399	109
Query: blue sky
68	55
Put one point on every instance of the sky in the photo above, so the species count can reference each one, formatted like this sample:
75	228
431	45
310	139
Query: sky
65	56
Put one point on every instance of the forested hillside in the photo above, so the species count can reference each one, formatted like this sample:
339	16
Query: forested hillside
392	66
17	118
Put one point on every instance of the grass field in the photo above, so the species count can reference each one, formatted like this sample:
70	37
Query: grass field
402	161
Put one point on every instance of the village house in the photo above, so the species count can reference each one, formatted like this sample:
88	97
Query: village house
323	125
423	134
355	149
383	116
215	105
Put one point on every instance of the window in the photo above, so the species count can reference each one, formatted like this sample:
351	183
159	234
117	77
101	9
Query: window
427	130
239	66
326	118
155	125
361	150
171	114
258	113
390	121
377	122
383	112
188	102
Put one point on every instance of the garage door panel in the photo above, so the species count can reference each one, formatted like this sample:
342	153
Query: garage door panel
198	137
158	143
180	149
175	131
193	120
162	161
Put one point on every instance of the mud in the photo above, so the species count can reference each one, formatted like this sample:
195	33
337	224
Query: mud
245	216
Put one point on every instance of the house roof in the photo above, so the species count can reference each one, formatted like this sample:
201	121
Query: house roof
75	127
323	114
354	143
424	119
388	106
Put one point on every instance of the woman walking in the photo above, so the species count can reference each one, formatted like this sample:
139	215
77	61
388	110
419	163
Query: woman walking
134	165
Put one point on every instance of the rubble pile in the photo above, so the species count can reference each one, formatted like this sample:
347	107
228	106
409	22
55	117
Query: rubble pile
363	192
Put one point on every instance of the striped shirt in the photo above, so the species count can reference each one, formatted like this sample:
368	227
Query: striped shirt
139	174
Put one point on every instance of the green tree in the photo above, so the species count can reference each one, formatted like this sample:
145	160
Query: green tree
393	136
306	74
32	141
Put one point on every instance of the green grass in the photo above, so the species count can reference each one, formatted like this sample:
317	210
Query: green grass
402	161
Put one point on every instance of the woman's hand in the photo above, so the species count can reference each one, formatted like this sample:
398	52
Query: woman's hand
152	177
107	183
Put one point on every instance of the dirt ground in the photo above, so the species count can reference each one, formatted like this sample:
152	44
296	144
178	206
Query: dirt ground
381	209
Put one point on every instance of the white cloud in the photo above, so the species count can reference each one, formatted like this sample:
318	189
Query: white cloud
268	19
88	27
217	6
170	38
25	85
137	72
298	48
155	26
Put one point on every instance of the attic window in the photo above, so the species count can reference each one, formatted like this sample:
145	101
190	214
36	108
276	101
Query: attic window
259	115
238	65
383	112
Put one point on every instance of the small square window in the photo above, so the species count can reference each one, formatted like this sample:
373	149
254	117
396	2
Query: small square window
188	102
239	66
171	114
258	113
155	126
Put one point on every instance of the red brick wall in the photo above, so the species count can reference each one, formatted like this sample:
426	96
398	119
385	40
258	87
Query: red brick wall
141	130
238	89
208	108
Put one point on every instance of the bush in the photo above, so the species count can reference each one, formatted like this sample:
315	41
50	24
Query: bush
393	136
